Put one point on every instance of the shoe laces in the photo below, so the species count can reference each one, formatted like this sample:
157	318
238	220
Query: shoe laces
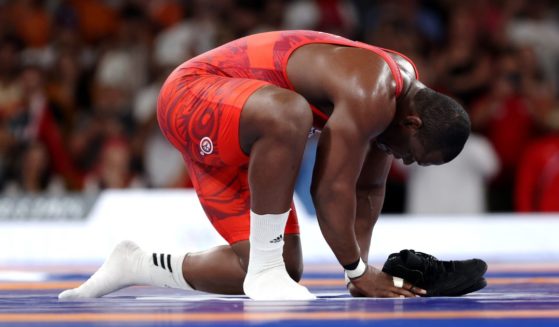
433	265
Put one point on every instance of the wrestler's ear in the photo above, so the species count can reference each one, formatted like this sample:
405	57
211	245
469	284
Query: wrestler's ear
412	122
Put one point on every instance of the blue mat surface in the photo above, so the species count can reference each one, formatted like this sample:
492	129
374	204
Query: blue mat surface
517	295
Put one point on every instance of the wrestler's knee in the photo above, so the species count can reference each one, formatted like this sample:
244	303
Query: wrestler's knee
293	117
275	113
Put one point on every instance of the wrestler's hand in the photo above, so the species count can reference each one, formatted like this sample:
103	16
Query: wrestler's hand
375	283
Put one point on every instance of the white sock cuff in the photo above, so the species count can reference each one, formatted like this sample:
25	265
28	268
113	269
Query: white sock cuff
177	261
267	230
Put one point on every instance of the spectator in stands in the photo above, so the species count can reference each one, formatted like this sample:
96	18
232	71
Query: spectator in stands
163	165
535	25
463	65
36	122
11	98
459	187
333	16
512	116
34	174
113	170
198	32
94	60
32	22
62	90
537	183
11	94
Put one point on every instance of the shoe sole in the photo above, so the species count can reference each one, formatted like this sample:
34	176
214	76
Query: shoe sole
481	283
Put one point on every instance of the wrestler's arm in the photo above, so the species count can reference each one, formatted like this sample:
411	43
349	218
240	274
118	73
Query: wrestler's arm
363	108
371	185
341	153
370	191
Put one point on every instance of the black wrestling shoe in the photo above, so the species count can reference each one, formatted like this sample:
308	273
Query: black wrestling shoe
481	283
438	278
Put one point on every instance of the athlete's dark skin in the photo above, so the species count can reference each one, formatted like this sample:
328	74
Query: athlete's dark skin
367	127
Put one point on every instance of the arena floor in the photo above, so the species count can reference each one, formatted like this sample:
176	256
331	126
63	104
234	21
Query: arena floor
524	294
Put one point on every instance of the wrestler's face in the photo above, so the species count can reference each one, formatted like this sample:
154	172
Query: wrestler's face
406	146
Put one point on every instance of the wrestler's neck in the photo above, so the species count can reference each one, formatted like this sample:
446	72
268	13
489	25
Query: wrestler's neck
405	103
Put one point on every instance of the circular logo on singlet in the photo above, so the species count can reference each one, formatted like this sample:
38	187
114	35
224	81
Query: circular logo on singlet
206	146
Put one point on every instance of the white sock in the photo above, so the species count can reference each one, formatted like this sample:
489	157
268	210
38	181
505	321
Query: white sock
129	265
267	278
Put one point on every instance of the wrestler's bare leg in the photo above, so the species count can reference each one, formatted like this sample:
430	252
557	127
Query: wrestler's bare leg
275	140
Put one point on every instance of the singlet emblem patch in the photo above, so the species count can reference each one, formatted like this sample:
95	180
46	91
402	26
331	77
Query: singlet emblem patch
206	146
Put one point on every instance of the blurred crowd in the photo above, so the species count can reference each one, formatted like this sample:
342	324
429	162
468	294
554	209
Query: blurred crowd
79	80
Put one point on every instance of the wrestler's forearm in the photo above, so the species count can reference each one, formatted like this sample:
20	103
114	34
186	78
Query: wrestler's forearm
369	205
336	212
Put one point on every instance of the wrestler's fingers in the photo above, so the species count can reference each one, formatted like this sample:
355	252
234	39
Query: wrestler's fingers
414	289
402	292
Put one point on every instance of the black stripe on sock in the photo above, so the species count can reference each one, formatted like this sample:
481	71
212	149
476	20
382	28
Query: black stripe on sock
169	262
162	257
155	259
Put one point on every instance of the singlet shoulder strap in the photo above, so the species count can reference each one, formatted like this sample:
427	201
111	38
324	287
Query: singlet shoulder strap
407	59
394	68
305	37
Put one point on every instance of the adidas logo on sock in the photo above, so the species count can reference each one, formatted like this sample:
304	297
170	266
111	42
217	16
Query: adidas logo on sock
277	239
162	261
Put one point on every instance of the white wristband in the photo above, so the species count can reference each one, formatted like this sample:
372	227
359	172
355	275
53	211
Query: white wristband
357	272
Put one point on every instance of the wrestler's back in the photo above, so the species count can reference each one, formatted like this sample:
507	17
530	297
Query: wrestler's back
266	57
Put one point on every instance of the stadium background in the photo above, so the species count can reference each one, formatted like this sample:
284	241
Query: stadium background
83	164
